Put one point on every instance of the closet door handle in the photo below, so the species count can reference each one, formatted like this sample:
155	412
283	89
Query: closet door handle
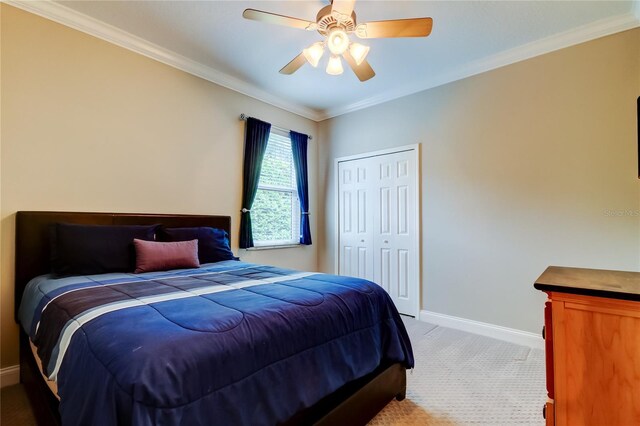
362	241
386	241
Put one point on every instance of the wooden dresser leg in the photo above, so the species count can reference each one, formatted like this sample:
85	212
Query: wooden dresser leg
549	414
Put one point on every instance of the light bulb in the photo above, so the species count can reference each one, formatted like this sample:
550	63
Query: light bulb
338	41
358	52
313	53
334	67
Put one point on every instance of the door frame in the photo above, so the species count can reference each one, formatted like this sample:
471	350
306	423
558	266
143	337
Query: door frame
417	244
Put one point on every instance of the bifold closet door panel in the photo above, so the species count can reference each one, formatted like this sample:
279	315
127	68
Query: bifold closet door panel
356	219
395	257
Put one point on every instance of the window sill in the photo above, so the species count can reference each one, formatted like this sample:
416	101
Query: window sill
273	247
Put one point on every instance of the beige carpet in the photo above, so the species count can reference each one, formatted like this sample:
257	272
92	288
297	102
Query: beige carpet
466	379
14	407
459	379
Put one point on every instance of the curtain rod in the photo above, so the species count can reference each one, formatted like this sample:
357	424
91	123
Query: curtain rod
243	117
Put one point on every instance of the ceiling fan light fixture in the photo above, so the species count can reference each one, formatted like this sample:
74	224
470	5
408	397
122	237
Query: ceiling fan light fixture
358	52
313	53
338	41
336	22
334	67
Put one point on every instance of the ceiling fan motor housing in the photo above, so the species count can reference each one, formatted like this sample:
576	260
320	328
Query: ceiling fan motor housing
326	21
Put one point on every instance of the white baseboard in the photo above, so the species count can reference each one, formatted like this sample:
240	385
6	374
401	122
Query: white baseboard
9	376
511	335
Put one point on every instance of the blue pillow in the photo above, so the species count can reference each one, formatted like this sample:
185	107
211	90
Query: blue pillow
213	243
95	249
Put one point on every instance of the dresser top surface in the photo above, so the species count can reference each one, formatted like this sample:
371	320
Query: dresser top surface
593	282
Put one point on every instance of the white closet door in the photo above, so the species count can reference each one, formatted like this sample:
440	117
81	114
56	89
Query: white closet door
394	238
378	224
356	219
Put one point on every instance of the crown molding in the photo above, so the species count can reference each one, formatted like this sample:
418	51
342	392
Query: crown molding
81	22
549	44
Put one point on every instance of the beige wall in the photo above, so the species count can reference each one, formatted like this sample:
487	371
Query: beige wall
519	165
519	168
89	126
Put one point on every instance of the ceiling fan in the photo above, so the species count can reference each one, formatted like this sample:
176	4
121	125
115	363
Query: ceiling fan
336	22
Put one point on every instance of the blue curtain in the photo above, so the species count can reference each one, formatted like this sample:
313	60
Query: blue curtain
255	145
299	148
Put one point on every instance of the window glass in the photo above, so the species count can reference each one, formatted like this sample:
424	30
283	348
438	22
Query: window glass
275	214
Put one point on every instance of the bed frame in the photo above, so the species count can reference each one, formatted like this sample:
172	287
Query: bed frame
354	404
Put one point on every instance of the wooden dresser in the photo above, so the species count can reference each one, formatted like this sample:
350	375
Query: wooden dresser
592	341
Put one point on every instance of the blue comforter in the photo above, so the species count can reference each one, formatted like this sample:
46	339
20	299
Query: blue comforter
228	343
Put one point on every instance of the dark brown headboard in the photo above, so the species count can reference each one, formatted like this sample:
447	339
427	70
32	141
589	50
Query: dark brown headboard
32	235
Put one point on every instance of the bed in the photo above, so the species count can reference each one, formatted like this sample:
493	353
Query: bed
277	347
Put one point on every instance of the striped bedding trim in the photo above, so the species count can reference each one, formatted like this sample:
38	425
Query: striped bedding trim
56	355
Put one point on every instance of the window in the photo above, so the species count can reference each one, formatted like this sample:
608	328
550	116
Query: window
275	214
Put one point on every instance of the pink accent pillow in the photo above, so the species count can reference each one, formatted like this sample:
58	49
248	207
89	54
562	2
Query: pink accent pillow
157	256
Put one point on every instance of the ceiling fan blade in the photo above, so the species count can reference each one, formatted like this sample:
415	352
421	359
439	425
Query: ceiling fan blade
416	27
294	65
272	18
342	7
363	71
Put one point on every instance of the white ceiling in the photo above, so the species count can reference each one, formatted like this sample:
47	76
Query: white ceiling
468	37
